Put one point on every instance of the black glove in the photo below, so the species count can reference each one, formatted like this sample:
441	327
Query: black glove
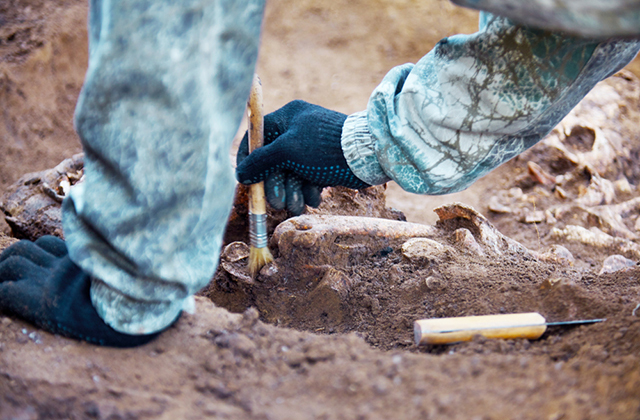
302	154
40	284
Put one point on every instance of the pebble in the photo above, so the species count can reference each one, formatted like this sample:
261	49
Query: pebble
496	207
622	186
558	254
419	248
537	216
560	192
615	263
434	283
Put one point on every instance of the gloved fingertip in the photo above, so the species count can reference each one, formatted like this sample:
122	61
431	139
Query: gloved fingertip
294	197
16	268
275	190
312	195
53	245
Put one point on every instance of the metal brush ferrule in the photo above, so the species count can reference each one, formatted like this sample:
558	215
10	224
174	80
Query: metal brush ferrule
258	230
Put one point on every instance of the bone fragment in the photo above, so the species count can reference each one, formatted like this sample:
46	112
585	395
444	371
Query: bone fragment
600	191
611	217
487	235
597	238
540	175
464	238
232	261
337	241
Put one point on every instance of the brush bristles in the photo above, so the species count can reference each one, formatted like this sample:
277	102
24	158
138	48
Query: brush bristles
258	258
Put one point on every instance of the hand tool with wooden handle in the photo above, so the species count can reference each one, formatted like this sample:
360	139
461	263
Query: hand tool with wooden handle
506	326
259	253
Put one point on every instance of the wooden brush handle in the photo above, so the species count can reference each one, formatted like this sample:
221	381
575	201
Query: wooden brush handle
256	139
451	330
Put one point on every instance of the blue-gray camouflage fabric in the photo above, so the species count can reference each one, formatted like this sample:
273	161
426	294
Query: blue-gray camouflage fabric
591	18
164	94
474	102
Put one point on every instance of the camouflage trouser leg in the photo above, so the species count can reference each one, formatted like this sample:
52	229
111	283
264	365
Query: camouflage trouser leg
164	94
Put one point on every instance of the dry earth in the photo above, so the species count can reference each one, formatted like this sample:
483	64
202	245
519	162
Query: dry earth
326	331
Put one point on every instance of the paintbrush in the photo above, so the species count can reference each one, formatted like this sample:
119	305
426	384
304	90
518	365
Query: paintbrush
259	254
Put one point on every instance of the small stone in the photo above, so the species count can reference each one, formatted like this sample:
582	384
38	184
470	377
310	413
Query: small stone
615	263
537	216
269	271
434	283
549	218
558	254
420	248
35	337
560	192
622	186
515	193
496	207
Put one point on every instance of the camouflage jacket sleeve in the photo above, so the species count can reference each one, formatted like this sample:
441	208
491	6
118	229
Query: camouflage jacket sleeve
594	18
474	102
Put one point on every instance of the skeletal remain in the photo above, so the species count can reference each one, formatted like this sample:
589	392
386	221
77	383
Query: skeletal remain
32	205
233	261
611	217
489	236
467	242
600	191
337	239
596	238
540	175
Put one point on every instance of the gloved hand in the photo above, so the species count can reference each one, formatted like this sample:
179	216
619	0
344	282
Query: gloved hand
40	284
302	154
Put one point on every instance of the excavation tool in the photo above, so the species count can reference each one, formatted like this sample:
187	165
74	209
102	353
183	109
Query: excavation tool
259	253
529	325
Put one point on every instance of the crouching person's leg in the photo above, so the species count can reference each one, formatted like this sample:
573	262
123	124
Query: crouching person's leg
163	97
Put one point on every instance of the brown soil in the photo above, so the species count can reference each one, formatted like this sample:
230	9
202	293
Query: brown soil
326	331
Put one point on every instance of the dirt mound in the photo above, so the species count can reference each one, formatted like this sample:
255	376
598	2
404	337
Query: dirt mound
215	364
